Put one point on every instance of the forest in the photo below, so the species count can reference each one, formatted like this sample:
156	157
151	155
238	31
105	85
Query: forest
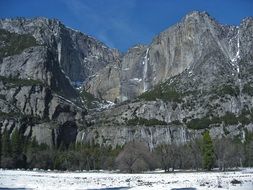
205	154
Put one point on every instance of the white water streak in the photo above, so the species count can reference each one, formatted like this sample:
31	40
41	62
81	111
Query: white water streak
235	63
59	51
235	60
145	69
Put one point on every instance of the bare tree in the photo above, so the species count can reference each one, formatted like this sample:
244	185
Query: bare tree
168	155
223	150
195	154
228	153
134	157
248	152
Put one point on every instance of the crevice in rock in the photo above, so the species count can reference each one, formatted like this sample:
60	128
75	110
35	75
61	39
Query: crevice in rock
48	98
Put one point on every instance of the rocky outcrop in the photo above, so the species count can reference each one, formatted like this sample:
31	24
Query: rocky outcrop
207	84
197	41
40	113
154	136
106	83
80	56
37	63
197	75
159	122
38	80
35	94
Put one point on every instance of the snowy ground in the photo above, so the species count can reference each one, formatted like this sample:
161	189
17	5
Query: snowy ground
14	179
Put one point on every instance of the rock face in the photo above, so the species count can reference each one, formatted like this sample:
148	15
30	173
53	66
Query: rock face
38	80
106	83
158	122
80	56
196	75
39	112
205	71
37	63
198	40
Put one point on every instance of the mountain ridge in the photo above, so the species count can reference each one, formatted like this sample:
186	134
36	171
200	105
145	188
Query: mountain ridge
194	76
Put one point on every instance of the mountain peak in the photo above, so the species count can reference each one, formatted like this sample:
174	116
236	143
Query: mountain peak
196	74
33	19
247	20
199	15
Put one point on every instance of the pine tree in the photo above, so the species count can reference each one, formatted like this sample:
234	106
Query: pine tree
0	145
208	151
16	143
6	145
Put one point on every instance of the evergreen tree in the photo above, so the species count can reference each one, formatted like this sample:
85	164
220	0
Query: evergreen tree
0	144
208	151
16	143
6	145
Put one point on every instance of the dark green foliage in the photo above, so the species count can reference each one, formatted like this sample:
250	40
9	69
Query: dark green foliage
0	146
208	151
96	156
229	119
225	131
2	97
227	89
14	82
163	92
248	136
38	155
248	148
248	89
176	122
6	145
199	123
145	122
13	43
213	97
18	152
244	119
12	150
9	115
89	99
6	154
16	143
75	157
202	123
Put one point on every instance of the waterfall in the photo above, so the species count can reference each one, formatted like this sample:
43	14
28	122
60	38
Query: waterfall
145	69
235	63
59	51
235	60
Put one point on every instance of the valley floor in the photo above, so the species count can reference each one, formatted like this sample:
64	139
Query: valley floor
15	179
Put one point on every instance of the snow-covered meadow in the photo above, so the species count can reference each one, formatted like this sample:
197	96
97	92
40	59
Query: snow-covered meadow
15	179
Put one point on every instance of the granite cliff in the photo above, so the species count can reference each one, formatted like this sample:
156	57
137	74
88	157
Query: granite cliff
196	75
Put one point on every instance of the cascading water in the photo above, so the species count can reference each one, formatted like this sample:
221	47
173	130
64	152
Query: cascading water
235	60
145	69
235	63
59	51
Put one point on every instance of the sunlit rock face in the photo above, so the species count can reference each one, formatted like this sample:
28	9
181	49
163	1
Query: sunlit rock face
79	55
196	75
207	66
196	41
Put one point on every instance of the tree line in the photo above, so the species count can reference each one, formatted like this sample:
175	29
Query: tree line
205	153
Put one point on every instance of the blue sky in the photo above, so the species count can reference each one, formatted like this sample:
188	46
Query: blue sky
124	23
